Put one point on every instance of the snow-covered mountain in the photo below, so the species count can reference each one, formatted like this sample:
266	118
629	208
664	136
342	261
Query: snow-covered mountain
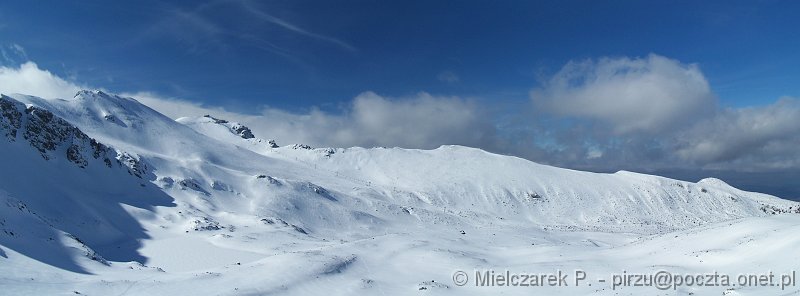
101	194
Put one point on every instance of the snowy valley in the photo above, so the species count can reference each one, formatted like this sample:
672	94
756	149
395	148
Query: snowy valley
102	195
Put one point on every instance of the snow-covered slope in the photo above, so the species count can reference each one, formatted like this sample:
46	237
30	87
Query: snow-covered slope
93	183
475	184
61	188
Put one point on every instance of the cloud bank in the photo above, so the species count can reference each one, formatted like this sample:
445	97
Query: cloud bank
30	80
651	94
646	114
753	138
658	113
419	121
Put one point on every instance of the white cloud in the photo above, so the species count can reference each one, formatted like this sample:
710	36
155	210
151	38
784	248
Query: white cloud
30	80
764	137
650	95
656	113
420	121
743	139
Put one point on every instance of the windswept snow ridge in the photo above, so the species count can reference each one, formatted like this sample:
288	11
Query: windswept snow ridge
101	194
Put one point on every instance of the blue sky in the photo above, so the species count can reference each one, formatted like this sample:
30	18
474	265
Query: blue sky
229	53
681	88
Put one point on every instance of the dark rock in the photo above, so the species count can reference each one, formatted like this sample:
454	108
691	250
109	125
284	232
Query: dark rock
135	165
301	146
242	131
298	229
236	128
327	152
206	224
216	120
48	134
193	185
10	117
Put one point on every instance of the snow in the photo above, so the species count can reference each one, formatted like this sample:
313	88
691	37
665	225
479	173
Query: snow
170	253
196	206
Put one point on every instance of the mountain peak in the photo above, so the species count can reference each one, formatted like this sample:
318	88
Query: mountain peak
54	137
714	182
99	95
204	184
87	92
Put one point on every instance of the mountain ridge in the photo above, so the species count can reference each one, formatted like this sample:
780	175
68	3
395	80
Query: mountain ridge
115	185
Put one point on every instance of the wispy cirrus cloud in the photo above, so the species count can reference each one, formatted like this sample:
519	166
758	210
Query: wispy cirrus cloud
189	27
260	14
448	76
13	54
200	28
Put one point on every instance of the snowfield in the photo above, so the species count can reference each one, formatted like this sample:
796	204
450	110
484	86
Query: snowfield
101	195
